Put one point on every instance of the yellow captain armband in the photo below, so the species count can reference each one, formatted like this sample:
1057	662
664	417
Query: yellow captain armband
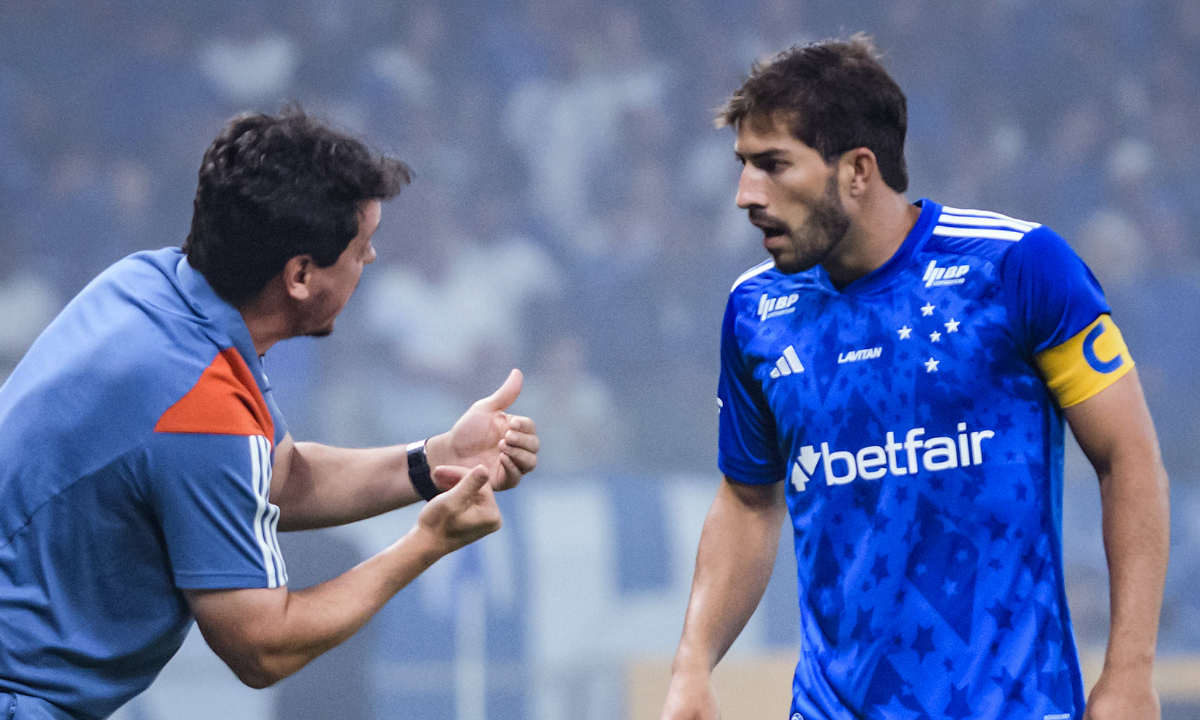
1090	361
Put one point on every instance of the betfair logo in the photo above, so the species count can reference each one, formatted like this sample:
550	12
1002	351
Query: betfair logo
769	307
896	458
937	277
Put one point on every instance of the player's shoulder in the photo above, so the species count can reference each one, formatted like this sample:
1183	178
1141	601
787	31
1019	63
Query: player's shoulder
766	277
983	233
763	273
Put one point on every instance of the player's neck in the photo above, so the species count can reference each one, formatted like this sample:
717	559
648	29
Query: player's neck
878	228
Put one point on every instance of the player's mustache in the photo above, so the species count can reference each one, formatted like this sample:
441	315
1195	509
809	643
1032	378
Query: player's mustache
760	218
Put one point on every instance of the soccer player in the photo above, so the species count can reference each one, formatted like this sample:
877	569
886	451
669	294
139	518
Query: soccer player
144	466
896	377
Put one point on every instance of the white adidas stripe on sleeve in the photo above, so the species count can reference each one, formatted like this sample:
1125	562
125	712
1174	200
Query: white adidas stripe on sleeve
266	517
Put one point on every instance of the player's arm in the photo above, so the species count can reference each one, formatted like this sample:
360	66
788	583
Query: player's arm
264	635
733	564
1115	431
317	485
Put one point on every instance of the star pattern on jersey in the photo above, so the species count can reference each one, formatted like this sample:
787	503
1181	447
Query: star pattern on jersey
935	336
927	310
931	365
923	644
905	332
952	326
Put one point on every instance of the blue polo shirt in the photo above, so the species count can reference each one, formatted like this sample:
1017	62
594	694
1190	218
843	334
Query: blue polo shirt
136	439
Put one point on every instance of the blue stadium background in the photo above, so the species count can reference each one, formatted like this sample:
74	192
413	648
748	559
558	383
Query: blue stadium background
573	215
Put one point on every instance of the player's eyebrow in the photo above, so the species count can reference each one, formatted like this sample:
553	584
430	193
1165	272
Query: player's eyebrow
759	157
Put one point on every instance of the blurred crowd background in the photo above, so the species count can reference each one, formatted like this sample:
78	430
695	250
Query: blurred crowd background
573	215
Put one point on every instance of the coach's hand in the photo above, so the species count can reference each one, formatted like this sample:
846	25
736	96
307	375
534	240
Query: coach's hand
690	698
462	514
505	444
1123	696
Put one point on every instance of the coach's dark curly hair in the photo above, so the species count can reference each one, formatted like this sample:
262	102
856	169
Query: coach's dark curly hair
276	186
835	97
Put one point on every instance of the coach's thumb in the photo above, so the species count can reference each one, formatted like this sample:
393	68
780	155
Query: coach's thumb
474	481
507	393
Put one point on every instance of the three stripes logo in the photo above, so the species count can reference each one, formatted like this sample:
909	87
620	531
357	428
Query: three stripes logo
787	364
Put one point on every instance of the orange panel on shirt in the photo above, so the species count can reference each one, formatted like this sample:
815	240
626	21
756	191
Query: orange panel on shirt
224	401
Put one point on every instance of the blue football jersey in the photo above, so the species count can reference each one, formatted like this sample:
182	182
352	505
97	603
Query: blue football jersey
916	417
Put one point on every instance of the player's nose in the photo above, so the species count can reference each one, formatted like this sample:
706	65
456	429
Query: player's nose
751	192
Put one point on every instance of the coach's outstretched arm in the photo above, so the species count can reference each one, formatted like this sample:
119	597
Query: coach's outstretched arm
318	485
1116	433
734	563
264	635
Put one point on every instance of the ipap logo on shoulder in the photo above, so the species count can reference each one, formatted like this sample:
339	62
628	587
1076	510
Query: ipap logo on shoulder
896	458
769	307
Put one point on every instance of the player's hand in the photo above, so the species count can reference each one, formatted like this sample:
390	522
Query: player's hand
1123	696
690	698
462	514
505	444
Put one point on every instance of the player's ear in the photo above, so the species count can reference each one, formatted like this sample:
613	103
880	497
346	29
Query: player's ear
298	277
858	167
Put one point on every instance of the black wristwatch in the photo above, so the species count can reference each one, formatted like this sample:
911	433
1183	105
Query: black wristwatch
419	472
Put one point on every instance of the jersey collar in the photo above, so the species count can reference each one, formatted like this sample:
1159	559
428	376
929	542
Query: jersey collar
881	276
205	302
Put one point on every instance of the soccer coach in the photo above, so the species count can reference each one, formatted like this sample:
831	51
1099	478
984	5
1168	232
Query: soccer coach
145	468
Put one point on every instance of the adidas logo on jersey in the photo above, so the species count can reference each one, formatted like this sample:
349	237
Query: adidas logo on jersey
895	458
787	364
769	307
938	277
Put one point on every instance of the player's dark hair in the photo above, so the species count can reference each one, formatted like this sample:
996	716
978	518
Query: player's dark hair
273	187
834	96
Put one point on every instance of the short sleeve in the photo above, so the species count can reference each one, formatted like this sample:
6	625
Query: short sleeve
1052	292
1062	319
748	448
211	493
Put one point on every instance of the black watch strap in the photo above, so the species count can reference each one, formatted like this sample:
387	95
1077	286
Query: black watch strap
419	472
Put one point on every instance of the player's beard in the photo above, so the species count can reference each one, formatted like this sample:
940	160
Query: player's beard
812	242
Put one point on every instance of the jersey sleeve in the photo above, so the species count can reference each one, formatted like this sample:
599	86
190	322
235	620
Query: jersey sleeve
748	449
211	480
211	493
1062	319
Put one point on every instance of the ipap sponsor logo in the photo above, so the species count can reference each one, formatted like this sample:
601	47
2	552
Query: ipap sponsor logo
896	458
769	307
938	277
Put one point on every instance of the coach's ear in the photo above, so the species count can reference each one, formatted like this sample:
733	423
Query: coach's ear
297	277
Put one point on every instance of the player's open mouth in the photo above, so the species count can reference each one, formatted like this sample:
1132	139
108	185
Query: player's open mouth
771	235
